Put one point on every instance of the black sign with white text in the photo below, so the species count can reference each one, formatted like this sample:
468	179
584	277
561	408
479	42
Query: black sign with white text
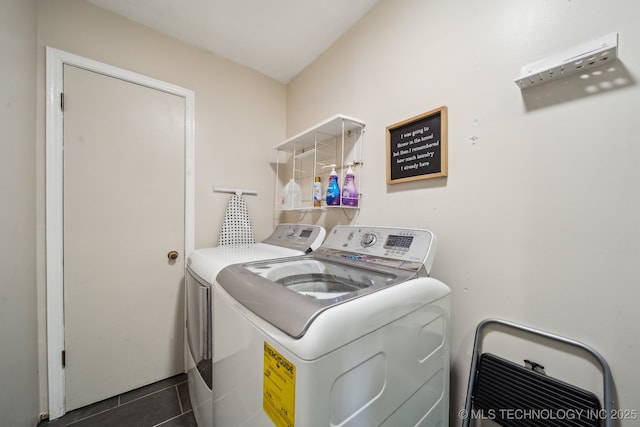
417	149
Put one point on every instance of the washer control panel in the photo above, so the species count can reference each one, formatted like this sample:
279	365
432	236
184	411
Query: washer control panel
302	237
397	247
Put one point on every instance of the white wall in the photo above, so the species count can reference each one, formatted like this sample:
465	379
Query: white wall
240	116
18	327
538	218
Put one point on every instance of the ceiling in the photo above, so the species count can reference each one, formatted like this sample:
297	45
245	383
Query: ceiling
278	38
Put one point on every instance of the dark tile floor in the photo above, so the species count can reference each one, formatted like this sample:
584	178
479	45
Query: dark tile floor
164	404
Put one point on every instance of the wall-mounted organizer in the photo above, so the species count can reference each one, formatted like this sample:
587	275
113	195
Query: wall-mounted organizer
304	158
580	59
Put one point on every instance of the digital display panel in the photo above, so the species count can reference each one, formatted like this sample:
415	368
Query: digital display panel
306	233
400	242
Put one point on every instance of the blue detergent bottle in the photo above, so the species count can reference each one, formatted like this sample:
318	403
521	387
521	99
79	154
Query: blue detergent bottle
333	190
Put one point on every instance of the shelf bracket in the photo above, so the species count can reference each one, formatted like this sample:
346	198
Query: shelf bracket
345	211
580	59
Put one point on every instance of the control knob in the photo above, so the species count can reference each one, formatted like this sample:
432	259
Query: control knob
368	239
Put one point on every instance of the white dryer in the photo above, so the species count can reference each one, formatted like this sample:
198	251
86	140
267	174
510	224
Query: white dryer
354	334
202	267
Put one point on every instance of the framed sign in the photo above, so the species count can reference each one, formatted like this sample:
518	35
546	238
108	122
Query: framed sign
417	147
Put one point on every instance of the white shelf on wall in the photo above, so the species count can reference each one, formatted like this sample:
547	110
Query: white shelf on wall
580	59
337	140
331	127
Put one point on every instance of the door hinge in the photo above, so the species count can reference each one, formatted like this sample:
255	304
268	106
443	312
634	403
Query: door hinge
61	101
64	359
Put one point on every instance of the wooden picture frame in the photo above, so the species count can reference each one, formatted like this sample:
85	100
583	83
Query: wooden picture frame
417	147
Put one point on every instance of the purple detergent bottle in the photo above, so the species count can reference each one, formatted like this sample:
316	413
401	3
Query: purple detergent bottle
349	190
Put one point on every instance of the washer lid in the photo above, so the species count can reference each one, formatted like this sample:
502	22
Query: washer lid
207	262
290	293
287	240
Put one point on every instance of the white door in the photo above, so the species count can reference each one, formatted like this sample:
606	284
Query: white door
124	204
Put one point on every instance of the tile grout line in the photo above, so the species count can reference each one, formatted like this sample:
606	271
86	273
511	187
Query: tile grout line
170	419
150	393
179	404
89	416
179	400
131	401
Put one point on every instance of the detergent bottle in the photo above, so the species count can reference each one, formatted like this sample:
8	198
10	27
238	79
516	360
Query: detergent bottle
349	189
291	195
333	190
317	192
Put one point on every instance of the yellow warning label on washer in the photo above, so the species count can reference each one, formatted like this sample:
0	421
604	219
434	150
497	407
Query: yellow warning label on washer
278	388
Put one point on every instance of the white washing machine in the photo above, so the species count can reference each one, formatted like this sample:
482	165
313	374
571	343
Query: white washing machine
202	267
354	334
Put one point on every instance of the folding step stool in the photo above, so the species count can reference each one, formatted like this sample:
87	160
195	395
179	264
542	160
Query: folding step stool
513	395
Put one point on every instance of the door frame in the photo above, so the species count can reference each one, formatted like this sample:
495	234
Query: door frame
54	158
